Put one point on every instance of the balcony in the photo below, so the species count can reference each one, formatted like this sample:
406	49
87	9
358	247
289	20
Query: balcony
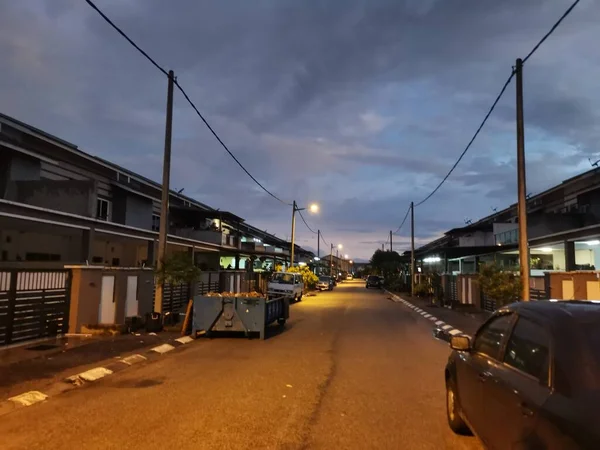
213	237
259	247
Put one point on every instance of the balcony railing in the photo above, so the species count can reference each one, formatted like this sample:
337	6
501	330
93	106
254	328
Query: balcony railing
213	237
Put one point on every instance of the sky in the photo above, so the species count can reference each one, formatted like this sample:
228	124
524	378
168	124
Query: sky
359	105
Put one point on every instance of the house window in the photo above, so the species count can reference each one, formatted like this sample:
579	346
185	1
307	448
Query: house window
102	209
155	222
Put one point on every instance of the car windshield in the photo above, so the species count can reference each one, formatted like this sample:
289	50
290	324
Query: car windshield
373	278
324	279
283	278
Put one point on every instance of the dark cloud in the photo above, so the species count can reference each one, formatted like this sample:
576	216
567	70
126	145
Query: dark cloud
361	105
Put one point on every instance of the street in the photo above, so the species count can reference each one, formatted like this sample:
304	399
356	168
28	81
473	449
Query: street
351	370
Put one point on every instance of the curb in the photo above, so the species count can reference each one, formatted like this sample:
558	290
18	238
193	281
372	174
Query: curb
441	329
90	376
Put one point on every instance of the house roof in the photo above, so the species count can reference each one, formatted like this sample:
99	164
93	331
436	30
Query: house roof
74	149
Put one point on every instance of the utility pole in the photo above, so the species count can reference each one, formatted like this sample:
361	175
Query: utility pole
164	206
319	244
383	247
412	248
391	245
294	208
331	262
522	188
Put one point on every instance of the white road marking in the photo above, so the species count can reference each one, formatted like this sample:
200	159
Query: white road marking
29	398
427	316
184	340
433	319
439	322
91	375
445	327
163	348
133	359
454	332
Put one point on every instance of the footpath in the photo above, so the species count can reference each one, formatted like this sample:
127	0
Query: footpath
446	322
38	371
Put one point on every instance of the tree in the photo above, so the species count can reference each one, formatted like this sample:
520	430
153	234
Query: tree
501	286
309	279
386	263
178	268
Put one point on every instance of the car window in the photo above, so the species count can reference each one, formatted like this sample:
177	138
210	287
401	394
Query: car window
489	338
528	349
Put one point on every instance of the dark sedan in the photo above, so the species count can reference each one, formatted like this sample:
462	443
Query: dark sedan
373	281
530	378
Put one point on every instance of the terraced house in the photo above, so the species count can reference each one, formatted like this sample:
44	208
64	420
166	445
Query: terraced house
563	225
87	229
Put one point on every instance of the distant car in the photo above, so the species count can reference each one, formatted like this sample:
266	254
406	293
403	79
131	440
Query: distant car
325	283
373	281
530	378
349	277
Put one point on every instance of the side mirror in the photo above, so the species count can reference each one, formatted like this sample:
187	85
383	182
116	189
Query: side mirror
460	343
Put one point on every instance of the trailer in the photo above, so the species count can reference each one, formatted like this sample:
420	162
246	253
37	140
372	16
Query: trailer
244	312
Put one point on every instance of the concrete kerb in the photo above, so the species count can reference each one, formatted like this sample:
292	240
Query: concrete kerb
442	330
119	364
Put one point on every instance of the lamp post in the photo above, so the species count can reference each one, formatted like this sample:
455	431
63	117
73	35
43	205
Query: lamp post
339	246
314	208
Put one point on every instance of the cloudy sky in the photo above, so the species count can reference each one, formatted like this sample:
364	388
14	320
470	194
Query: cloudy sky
359	105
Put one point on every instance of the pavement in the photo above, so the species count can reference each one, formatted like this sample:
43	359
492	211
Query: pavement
446	322
41	365
351	370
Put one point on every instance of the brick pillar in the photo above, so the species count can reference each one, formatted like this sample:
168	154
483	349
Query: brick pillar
569	255
87	240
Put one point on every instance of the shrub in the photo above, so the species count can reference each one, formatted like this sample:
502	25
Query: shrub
309	279
422	290
501	286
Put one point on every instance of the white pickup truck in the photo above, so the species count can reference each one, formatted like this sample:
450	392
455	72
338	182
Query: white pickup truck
286	284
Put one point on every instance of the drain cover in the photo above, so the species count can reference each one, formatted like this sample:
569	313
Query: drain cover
42	347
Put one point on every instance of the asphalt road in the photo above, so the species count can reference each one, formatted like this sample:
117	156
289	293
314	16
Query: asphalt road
351	370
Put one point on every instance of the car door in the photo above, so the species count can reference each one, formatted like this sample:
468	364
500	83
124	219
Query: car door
472	369
518	387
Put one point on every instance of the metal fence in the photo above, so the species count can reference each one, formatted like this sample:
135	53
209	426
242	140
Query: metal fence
33	304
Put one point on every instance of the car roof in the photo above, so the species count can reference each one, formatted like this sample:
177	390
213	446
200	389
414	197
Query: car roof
564	313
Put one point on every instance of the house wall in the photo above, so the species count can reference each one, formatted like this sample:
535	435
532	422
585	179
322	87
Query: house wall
503	227
73	196
132	210
476	239
15	245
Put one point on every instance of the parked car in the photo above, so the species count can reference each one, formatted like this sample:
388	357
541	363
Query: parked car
286	284
373	281
530	378
325	283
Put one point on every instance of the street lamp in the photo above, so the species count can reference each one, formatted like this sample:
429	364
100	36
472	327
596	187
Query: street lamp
313	208
339	246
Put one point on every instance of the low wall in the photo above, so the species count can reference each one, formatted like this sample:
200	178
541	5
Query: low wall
86	291
579	285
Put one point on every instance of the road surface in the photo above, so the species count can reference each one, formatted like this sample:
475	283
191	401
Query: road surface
351	370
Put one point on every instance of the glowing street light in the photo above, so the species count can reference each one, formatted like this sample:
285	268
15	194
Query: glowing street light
313	208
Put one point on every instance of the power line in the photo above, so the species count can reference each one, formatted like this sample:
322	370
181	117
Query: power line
512	74
547	35
403	221
533	50
307	226
161	69
323	239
